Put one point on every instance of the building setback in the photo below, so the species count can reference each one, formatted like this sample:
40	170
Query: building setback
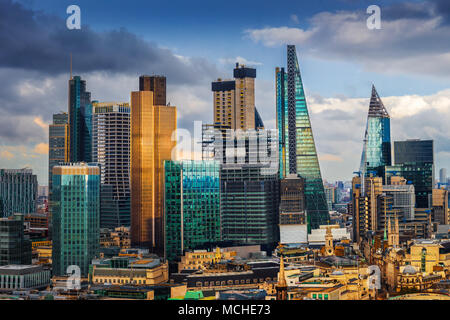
76	210
192	206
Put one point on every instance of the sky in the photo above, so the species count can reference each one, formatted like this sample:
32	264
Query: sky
193	43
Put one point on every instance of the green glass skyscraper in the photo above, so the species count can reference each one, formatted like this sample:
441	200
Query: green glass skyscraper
76	210
298	153
377	138
192	206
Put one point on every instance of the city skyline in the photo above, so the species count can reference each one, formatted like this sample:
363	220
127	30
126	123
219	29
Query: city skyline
36	91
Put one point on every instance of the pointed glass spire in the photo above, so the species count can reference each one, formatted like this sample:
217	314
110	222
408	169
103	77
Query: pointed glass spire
377	138
376	106
297	150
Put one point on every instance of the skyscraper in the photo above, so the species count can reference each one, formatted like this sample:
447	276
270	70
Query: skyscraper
414	160
249	204
151	143
111	149
192	206
76	209
234	100
18	191
156	84
15	247
80	121
298	153
443	175
377	138
58	143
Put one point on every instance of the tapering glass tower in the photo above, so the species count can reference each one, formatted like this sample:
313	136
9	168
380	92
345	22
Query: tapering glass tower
298	153
377	139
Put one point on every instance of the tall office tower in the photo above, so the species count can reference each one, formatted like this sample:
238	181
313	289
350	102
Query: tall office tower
76	210
151	132
18	191
365	206
80	121
330	193
15	247
192	206
297	148
249	204
293	228
58	143
156	84
443	176
111	150
414	160
377	138
234	100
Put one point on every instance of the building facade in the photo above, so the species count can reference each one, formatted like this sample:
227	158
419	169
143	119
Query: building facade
414	160
111	150
151	143
377	138
249	204
297	149
20	277
15	247
192	206
234	100
18	191
76	214
80	121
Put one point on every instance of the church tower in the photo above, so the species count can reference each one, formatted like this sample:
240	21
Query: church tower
281	286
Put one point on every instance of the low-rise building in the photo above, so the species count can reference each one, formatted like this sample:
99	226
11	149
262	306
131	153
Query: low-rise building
17	277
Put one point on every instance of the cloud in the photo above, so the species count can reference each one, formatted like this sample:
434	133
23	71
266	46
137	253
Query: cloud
6	154
41	148
329	157
294	18
45	45
40	123
240	60
414	38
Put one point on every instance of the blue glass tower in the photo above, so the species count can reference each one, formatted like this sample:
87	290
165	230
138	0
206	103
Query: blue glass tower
80	121
377	139
192	206
75	220
298	153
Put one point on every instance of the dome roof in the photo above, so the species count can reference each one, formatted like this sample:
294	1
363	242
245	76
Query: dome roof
409	270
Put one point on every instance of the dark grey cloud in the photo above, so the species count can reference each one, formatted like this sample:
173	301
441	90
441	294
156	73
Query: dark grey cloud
35	41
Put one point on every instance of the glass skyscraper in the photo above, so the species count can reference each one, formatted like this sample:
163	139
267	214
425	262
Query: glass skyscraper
377	138
192	206
58	142
18	191
111	150
76	209
414	160
80	121
297	149
250	200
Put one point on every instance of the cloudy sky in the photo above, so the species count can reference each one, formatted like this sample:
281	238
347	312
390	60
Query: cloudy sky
195	42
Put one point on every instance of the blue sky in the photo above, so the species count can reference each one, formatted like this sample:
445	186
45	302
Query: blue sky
195	42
